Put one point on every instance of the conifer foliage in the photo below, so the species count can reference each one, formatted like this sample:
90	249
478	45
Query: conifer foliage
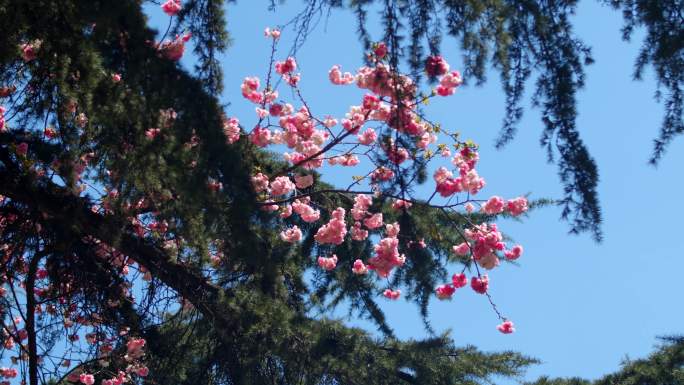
147	236
665	366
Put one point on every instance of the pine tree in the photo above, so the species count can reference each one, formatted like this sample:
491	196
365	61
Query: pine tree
129	215
133	221
665	366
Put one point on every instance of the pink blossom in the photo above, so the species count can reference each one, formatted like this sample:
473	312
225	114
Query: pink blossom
174	49
171	7
22	149
286	211
87	379
374	221
231	128
260	182
469	207
359	268
261	113
517	206
273	33
480	284
506	327
459	280
260	136
306	212
445	291
494	205
396	155
367	137
392	229
436	66
357	233
29	51
292	79
380	50
152	133
426	139
361	204
400	204
269	207
488	261
328	263
142	371
330	122
487	240
116	78
386	256
347	160
461	249
9	372
282	185
287	66
392	294
134	347
382	174
334	231
514	253
291	235
3	125
442	174
214	185
449	187
249	88
472	182
448	83
303	181
337	77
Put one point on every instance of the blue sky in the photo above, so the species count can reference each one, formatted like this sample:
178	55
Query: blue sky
579	306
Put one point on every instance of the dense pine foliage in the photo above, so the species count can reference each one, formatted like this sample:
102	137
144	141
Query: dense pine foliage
121	259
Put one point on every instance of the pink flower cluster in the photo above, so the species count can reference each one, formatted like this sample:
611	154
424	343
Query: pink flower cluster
86	379
392	294
250	89
286	70
448	83
337	77
134	348
436	66
291	235
231	128
387	255
484	241
447	290
174	49
281	185
328	263
305	211
506	327
3	124
29	51
8	372
359	267
172	7
468	179
496	205
391	101
272	33
334	231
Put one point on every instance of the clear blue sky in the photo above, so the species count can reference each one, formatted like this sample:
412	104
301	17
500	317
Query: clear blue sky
579	306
